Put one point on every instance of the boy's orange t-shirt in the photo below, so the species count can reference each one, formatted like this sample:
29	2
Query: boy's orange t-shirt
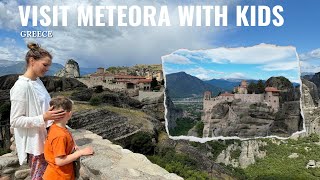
59	142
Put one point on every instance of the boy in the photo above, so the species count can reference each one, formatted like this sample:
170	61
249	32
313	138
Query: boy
59	145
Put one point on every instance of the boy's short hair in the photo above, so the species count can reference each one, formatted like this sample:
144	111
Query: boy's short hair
61	102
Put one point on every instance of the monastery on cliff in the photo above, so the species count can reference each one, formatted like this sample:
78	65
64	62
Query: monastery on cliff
270	97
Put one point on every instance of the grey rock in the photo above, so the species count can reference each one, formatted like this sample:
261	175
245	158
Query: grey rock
8	171
22	174
70	70
8	161
293	156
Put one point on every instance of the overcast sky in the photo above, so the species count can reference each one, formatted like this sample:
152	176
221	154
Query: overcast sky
126	46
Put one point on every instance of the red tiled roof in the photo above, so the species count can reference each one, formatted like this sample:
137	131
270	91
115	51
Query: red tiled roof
226	94
144	80
128	77
123	81
97	74
271	89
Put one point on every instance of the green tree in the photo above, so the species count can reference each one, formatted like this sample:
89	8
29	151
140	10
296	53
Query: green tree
141	142
154	83
252	87
260	87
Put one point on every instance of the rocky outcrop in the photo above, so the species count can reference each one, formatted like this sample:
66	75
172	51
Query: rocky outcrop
199	155
172	113
116	124
119	100
288	92
288	120
109	161
313	90
154	107
311	111
242	155
70	70
239	119
316	80
51	83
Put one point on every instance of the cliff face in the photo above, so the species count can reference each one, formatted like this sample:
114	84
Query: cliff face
253	119
312	90
310	107
71	70
288	120
172	113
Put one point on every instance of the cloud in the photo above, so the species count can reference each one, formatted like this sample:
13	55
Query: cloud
310	61
280	66
236	75
259	54
175	59
111	46
9	16
9	51
314	54
203	73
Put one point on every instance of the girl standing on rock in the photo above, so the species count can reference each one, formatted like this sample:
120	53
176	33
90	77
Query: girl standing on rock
30	111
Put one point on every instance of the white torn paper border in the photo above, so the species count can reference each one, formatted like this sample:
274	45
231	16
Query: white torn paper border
257	62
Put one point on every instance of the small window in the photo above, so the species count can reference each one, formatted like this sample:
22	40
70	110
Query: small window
275	101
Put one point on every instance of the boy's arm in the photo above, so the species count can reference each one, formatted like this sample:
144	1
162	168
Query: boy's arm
63	160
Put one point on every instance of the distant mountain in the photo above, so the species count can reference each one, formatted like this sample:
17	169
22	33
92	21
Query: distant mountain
306	73
228	84
18	67
85	71
224	84
181	85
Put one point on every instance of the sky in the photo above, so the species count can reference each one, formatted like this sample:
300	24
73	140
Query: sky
126	46
256	62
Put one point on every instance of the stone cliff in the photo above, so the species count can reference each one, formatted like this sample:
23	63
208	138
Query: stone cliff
172	114
70	70
249	151
310	107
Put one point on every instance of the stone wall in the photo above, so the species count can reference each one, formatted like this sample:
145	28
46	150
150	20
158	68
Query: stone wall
109	161
250	98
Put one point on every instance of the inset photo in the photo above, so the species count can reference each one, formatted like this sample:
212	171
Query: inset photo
243	92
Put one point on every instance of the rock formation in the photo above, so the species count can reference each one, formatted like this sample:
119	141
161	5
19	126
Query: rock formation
70	70
310	108
116	124
172	113
154	107
51	83
242	155
109	161
313	90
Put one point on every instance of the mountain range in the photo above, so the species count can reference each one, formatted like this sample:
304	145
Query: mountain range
181	85
18	67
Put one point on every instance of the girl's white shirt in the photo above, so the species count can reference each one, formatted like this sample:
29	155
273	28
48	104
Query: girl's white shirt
29	100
